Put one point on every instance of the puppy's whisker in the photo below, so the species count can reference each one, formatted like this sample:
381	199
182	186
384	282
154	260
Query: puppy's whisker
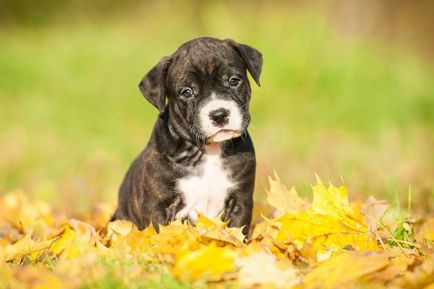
242	138
244	105
197	133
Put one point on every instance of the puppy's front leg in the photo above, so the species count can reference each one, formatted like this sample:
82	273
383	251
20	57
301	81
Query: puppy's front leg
165	210
238	211
172	209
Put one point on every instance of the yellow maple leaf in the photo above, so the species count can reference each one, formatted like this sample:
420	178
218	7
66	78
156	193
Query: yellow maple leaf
373	210
119	227
344	269
427	231
27	215
215	229
208	261
283	200
421	277
140	241
25	246
65	244
176	236
329	225
134	242
260	269
2	252
333	201
74	239
398	262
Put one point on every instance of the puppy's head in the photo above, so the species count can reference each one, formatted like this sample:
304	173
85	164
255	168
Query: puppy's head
205	82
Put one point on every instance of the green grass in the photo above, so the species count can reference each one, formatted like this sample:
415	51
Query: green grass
72	118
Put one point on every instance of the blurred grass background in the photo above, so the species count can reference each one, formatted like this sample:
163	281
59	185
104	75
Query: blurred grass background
347	91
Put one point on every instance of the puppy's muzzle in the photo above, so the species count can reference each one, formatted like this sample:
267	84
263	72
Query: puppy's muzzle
219	117
221	120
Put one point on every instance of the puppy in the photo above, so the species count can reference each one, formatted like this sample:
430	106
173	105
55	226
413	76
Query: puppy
200	158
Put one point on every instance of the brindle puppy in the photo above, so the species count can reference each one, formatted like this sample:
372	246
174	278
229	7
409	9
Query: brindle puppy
200	158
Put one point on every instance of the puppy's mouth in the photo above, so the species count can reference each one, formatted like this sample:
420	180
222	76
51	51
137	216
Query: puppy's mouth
223	135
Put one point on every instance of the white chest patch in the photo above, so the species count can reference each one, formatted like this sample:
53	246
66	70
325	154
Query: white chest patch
206	191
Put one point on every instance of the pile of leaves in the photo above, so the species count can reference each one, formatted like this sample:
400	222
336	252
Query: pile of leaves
326	243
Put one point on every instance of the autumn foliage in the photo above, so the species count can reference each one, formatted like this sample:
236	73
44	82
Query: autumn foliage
326	243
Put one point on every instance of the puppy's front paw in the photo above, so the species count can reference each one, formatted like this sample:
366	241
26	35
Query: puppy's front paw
173	208
231	209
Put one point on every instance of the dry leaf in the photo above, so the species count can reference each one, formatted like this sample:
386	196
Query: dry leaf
343	269
420	277
260	268
25	246
373	210
215	229
329	225
208	261
283	200
428	229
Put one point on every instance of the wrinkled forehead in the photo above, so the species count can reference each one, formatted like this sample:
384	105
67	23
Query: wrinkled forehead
204	59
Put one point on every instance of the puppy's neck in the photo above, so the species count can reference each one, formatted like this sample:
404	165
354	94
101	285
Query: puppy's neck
213	149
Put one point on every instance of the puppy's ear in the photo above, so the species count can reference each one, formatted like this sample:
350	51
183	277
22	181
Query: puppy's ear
153	85
252	59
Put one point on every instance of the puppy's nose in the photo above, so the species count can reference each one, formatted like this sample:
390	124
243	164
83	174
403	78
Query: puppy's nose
219	116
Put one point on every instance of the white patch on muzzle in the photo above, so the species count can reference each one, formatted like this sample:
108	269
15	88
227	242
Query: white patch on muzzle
233	127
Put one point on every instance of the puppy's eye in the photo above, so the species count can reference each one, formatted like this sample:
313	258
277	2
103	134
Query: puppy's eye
234	81
187	92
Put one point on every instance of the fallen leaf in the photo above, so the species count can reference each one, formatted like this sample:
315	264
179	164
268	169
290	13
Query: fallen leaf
177	236
260	269
208	261
427	231
215	229
344	269
421	277
333	201
329	225
25	246
373	210
283	200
